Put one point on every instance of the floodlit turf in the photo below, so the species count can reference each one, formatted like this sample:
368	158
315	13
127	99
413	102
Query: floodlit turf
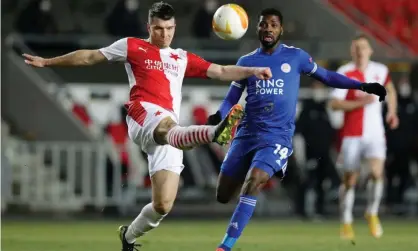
201	236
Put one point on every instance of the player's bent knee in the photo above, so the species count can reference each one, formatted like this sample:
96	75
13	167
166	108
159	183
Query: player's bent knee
223	198
163	207
376	174
160	132
227	188
377	166
350	179
255	182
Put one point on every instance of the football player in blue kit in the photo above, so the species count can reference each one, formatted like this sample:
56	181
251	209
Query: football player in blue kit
263	141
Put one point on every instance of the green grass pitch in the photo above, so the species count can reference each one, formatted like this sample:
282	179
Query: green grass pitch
205	235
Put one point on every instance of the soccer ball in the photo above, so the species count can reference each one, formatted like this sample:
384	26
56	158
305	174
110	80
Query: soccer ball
230	22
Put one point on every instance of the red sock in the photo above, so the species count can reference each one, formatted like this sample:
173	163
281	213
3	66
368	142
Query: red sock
187	137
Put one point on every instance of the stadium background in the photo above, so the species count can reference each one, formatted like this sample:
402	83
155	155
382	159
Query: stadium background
66	157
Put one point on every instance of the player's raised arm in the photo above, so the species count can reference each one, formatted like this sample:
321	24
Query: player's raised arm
75	58
197	67
336	80
235	73
114	52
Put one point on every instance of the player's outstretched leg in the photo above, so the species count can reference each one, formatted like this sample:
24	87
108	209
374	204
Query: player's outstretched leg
126	246
164	191
188	137
245	208
147	220
347	196
374	197
223	131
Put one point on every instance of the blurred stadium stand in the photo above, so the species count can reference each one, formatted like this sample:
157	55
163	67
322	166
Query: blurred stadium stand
66	148
392	22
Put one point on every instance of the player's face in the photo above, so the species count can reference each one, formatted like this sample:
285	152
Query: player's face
269	31
361	50
161	31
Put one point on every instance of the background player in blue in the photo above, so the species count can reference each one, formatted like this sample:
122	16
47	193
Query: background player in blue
263	141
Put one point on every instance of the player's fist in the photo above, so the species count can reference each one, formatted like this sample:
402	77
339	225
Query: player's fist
374	88
214	119
34	60
263	73
392	120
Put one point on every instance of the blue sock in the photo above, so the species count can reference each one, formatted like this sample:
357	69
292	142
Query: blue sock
239	220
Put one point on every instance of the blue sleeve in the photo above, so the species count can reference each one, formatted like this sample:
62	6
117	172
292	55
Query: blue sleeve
232	98
329	78
233	95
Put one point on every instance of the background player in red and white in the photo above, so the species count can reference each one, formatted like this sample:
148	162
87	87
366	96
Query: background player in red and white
363	133
155	72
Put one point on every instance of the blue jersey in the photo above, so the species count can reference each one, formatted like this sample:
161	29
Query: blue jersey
264	136
271	104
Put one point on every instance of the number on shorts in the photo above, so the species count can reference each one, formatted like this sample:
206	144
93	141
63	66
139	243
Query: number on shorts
282	151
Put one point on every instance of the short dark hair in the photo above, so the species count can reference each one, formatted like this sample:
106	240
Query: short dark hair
161	10
272	12
361	36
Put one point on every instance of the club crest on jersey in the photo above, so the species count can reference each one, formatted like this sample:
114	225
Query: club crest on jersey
270	86
286	68
174	56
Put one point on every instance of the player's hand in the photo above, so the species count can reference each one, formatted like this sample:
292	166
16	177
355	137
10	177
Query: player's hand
34	60
393	120
214	119
263	73
374	88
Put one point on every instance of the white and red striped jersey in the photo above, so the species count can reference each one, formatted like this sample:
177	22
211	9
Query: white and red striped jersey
365	121
155	75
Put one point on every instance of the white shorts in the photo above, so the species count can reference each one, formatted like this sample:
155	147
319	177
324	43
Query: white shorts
142	119
354	149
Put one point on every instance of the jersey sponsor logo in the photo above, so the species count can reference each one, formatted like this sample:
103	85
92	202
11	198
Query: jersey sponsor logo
286	68
173	69
271	86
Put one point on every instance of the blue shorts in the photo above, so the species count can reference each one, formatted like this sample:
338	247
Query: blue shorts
245	154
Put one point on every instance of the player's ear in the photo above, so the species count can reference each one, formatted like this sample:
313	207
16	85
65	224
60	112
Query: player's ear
148	28
281	33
